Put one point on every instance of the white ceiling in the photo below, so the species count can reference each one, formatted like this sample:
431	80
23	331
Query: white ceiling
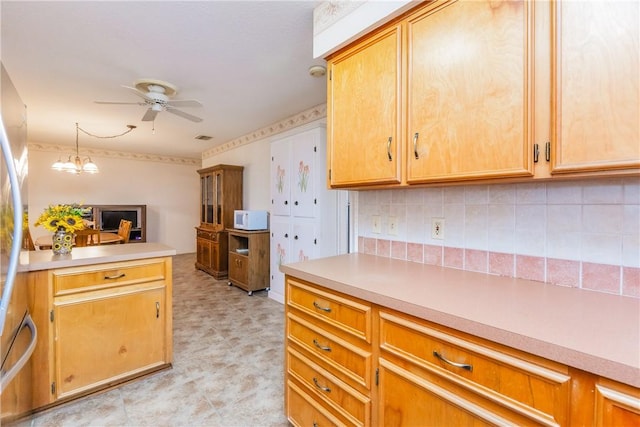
246	61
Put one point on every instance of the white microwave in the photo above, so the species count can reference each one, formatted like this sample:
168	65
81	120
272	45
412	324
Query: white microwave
250	220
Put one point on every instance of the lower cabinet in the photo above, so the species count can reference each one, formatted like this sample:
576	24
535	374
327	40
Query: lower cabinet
350	362
249	259
211	252
107	323
328	358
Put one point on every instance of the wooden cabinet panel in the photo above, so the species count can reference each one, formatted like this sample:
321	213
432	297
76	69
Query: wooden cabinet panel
616	404
330	389
351	363
343	313
304	410
468	97
363	113
131	337
79	279
595	86
542	388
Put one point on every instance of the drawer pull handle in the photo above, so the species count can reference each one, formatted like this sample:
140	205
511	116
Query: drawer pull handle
321	387
457	365
117	276
319	307
320	346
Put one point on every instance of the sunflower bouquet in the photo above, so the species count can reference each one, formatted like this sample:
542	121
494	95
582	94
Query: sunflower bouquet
66	217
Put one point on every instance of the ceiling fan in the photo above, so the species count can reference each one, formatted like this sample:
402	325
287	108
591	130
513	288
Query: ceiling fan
157	96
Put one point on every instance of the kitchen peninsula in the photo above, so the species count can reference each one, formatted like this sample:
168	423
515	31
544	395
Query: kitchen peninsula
103	316
466	346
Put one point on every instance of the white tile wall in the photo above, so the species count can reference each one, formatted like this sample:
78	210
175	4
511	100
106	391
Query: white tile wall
594	221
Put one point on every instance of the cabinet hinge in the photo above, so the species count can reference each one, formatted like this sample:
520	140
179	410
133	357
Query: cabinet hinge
51	316
536	153
377	376
330	74
53	387
547	151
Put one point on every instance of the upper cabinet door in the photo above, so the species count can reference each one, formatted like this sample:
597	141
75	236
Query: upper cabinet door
595	86
281	177
303	188
469	86
363	112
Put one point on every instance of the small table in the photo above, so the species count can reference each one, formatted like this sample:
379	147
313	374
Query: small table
45	242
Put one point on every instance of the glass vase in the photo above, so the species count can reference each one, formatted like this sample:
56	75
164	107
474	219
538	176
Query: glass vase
62	242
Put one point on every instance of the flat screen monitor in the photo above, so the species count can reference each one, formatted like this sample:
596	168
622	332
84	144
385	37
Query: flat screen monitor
110	220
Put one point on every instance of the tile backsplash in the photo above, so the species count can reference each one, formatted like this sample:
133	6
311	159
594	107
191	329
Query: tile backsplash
582	234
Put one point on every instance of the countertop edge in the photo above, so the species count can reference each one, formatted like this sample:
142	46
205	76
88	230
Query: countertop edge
45	260
573	357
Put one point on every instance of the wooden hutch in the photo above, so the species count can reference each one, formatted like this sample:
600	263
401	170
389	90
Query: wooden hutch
220	195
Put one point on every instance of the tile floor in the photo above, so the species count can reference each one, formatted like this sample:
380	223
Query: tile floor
227	370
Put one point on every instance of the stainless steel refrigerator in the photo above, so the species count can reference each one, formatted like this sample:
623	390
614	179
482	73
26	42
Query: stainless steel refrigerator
18	335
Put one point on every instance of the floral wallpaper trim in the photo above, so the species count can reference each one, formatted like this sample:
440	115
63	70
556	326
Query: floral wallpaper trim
302	118
186	161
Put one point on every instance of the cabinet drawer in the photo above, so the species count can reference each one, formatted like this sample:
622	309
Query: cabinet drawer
304	410
353	362
336	393
209	235
94	277
542	385
343	313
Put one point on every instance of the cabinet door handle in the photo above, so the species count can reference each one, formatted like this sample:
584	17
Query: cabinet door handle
157	309
321	387
415	145
319	307
320	346
116	276
457	365
389	148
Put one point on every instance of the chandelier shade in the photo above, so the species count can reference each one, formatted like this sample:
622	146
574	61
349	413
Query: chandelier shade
76	165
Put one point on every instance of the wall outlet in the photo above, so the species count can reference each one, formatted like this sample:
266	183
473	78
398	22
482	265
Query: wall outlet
376	224
437	228
393	226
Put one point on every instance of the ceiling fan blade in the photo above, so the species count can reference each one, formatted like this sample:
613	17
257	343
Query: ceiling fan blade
149	116
120	103
138	93
183	114
184	103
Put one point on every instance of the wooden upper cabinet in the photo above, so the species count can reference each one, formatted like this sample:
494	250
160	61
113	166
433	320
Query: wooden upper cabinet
363	110
468	91
595	86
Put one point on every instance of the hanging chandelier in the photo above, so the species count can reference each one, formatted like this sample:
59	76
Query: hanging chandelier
77	165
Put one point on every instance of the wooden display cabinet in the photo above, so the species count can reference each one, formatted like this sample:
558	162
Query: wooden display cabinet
220	195
249	259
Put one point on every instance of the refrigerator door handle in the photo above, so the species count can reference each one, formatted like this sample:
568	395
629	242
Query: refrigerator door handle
14	256
6	377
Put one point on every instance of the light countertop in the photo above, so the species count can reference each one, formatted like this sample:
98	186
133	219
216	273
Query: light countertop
592	331
46	260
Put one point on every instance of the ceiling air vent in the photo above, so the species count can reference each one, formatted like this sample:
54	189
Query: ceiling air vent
203	137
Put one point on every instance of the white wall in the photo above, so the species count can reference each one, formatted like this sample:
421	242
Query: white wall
170	191
256	159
